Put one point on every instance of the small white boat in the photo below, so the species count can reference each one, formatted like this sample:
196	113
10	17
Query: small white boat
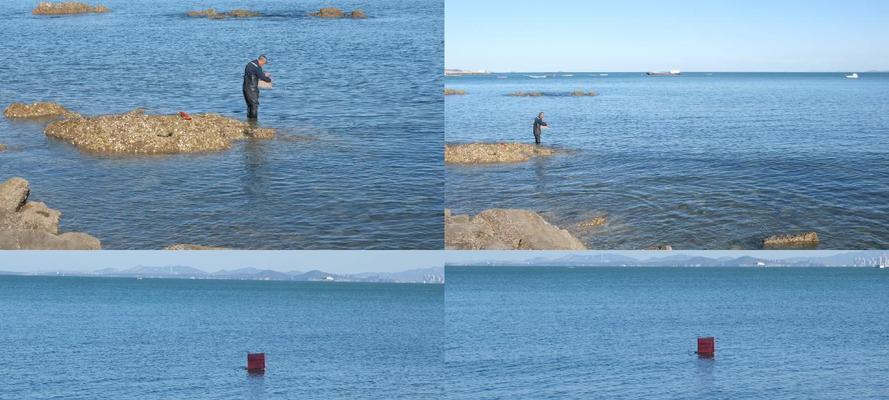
884	263
853	75
537	76
568	75
603	74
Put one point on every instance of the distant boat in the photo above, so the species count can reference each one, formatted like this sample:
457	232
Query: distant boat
884	263
672	72
853	75
537	76
502	77
568	75
603	74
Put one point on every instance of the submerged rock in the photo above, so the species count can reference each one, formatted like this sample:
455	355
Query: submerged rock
581	93
32	225
799	240
452	92
490	153
186	246
213	14
525	94
333	12
137	133
2	147
594	222
37	110
67	7
506	229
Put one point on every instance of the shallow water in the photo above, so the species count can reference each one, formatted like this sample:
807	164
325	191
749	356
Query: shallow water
698	161
87	338
630	333
358	104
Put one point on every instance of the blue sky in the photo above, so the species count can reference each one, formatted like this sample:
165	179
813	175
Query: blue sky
211	261
635	35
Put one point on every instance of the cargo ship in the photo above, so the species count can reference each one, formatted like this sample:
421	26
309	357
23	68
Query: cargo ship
672	72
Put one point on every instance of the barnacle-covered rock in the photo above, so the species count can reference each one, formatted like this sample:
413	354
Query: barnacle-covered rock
138	133
491	153
36	110
67	7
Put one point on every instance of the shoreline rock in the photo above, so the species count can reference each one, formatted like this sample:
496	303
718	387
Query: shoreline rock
188	246
67	8
333	13
31	225
43	109
136	133
506	229
796	240
211	13
493	153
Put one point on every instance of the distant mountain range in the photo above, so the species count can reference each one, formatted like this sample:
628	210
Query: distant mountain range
433	275
851	259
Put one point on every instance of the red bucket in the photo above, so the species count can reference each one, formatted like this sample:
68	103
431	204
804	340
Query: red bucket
255	362
706	346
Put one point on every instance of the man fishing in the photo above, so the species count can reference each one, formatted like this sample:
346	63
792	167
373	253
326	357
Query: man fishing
253	73
539	124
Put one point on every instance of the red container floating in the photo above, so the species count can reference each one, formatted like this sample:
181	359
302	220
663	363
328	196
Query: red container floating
706	346
255	362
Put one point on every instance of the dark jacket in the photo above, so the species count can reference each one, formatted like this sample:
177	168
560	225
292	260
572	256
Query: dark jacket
538	122
253	73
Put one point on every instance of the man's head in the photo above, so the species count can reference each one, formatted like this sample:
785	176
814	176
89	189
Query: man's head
262	60
540	115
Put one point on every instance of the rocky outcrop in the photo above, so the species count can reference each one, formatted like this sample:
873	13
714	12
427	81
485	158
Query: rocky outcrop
454	92
492	153
797	240
506	229
333	12
138	133
37	110
186	246
576	93
32	225
66	8
213	14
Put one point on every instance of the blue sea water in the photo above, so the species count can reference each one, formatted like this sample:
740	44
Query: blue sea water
703	161
358	105
630	333
88	338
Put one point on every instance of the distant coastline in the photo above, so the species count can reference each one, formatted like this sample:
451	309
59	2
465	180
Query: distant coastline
433	275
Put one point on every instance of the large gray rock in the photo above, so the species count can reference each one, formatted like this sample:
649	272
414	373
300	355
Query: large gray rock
32	225
506	229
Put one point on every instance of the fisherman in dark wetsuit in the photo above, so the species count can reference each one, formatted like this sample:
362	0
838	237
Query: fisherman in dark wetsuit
539	123
253	73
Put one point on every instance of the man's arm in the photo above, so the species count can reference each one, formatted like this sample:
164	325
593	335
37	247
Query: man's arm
261	75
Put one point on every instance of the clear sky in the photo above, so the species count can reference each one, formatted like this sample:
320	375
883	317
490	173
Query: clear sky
211	261
691	35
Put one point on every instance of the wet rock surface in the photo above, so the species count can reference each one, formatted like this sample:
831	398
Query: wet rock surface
187	246
37	110
794	241
67	7
333	12
211	13
576	93
32	225
506	229
138	133
492	153
454	92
